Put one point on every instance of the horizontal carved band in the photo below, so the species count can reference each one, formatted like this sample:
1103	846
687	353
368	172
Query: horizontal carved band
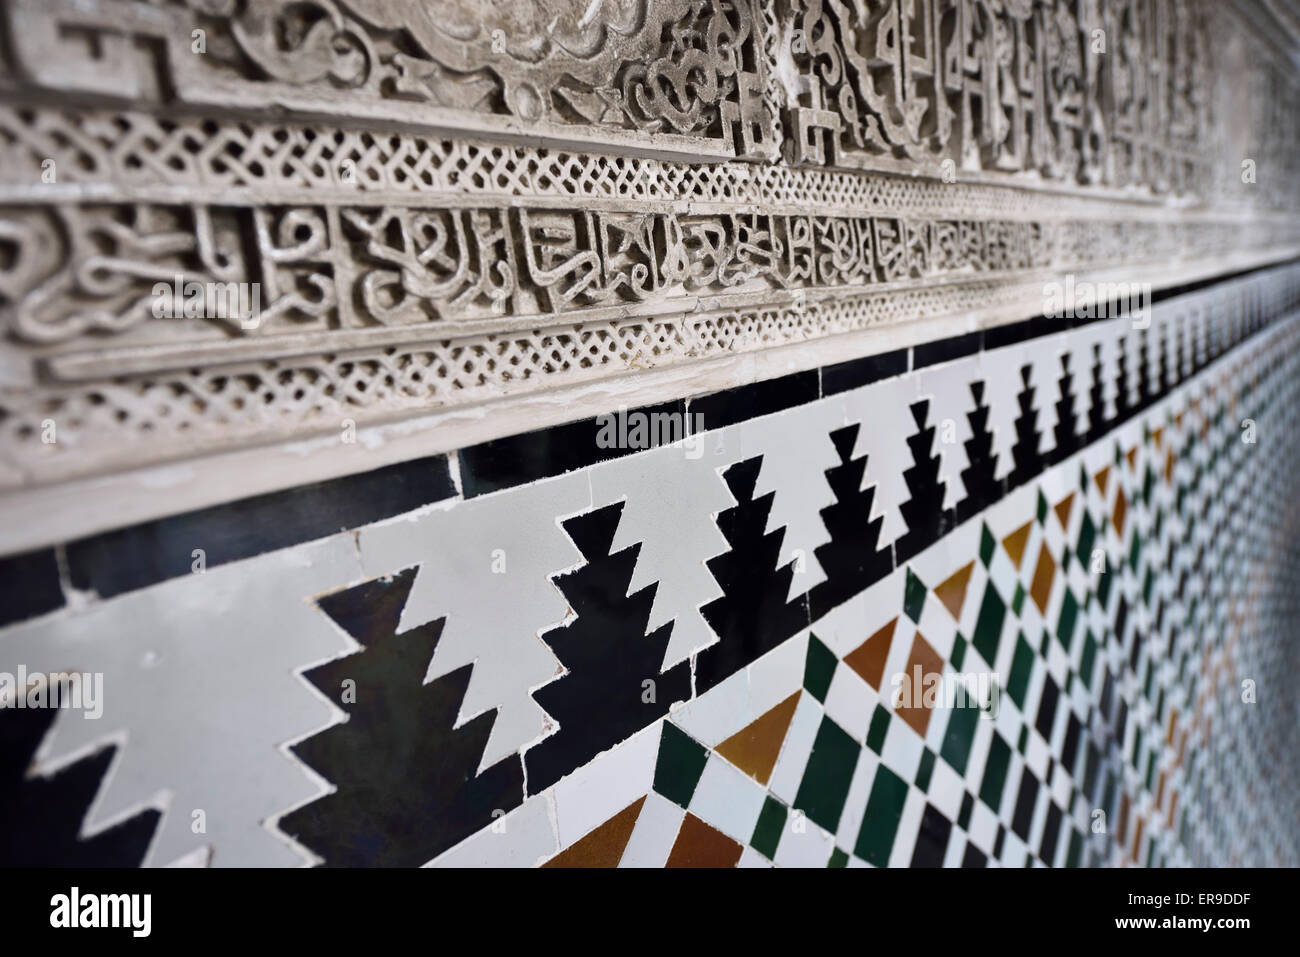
1095	92
231	222
76	274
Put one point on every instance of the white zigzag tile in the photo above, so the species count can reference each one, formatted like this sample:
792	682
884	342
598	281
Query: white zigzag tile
947	387
797	450
486	565
671	504
201	692
882	409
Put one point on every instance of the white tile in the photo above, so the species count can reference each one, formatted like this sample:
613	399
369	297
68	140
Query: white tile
946	790
850	702
494	620
793	759
719	713
727	799
902	750
523	838
201	681
803	843
777	675
655	832
751	858
855	803
594	793
682	482
909	824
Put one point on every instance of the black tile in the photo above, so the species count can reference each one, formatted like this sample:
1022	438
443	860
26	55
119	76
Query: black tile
1007	335
1069	750
745	402
974	857
608	653
752	615
967	808
130	558
405	772
945	350
520	459
29	585
1023	818
1051	834
859	372
42	816
1047	709
932	839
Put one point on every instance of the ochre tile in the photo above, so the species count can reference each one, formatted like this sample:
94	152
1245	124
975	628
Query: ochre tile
1040	590
1015	543
1102	479
925	658
1121	512
699	845
952	591
868	659
604	846
1063	509
755	747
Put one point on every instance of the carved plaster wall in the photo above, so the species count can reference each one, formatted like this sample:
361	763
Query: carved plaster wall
438	208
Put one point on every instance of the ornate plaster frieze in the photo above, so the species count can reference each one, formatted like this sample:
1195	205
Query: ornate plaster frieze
424	206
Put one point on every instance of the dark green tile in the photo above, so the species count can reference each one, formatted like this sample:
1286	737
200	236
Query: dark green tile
967	808
838	859
995	773
679	765
958	656
958	736
819	668
987	545
767	832
1086	662
880	822
879	727
1018	602
1069	617
825	783
1022	667
913	596
925	770
1087	535
988	624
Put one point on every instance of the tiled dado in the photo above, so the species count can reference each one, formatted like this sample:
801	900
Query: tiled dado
549	652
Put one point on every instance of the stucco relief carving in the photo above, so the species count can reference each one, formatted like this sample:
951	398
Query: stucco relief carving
441	202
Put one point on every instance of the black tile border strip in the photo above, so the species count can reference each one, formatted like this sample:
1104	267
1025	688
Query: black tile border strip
127	559
29	585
